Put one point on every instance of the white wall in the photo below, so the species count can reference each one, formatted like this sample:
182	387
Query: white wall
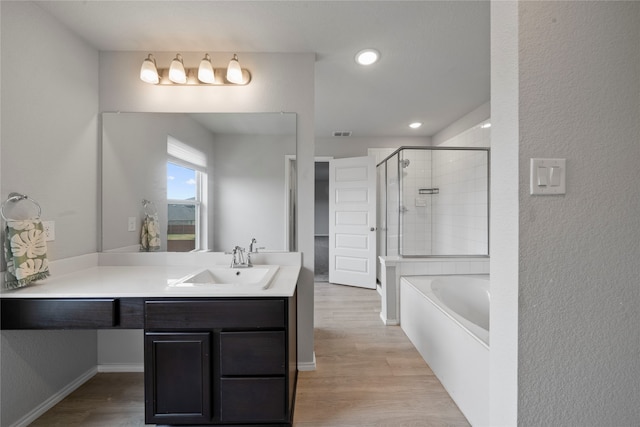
579	297
503	226
565	294
356	146
455	131
50	152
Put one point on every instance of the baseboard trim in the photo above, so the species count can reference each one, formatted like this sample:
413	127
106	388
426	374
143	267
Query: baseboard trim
55	399
308	366
117	367
389	322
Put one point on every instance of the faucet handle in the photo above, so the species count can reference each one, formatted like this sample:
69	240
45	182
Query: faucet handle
252	246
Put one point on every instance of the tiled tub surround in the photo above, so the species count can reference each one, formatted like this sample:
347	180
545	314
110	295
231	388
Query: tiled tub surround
393	268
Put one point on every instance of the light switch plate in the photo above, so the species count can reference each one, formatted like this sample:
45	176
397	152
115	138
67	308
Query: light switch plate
548	176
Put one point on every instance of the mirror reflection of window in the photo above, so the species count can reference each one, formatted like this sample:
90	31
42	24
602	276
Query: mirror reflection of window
185	193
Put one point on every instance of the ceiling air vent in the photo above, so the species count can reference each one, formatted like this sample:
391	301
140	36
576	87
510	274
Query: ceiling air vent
342	133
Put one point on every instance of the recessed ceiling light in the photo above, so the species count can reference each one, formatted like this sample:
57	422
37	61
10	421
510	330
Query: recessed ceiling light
367	56
415	125
485	126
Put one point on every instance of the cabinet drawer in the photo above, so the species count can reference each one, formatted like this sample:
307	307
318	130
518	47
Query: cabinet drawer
252	399
252	353
245	313
59	313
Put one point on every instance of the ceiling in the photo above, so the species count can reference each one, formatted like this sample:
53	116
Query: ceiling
434	65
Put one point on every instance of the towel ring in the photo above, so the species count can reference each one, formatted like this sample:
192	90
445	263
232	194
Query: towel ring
149	207
17	197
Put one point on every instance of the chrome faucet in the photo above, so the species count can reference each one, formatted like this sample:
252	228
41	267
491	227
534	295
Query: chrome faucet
238	259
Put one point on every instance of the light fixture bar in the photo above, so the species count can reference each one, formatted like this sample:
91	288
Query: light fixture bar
205	75
220	78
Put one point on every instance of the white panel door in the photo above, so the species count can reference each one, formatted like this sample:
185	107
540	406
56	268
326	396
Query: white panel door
352	221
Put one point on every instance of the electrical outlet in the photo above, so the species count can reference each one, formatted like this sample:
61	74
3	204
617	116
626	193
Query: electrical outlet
132	223
49	230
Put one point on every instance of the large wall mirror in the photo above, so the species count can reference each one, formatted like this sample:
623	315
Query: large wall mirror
198	181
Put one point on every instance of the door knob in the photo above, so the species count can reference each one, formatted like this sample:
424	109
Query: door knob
372	229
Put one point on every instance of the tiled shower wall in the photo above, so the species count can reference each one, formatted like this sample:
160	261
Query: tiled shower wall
460	216
416	209
453	222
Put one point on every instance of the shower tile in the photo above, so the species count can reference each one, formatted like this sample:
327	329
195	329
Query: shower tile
448	268
462	267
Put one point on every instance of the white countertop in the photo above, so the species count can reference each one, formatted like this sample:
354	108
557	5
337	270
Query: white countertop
151	277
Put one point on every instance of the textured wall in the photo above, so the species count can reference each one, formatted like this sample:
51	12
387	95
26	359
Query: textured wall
49	151
579	294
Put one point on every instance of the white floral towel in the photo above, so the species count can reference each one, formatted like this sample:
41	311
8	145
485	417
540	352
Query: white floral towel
25	253
150	234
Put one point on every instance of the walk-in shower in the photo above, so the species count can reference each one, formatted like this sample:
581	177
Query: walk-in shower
434	201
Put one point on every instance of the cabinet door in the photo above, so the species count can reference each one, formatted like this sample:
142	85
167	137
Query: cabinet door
177	378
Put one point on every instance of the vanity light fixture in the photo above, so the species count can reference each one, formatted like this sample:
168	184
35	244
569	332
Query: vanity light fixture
205	70
177	73
234	72
415	125
367	57
149	71
205	75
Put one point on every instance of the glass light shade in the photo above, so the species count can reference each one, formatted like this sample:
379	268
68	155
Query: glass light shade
176	70
205	71
234	72
148	71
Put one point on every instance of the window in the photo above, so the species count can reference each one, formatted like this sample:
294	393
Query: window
186	197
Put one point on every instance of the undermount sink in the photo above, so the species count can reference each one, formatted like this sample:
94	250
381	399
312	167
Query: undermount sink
256	277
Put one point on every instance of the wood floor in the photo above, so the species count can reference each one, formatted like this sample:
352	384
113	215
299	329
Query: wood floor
367	374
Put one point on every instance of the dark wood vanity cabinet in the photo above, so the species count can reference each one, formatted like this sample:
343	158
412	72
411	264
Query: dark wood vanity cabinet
208	361
223	361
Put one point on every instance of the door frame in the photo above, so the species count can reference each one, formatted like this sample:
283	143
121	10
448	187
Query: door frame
290	226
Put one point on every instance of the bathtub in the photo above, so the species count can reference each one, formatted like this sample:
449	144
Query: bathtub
447	320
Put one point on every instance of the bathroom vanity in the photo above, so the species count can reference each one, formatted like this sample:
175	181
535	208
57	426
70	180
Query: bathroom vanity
212	356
